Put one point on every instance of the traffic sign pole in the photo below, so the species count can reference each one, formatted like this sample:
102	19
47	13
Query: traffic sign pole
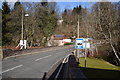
85	53
85	57
82	43
78	37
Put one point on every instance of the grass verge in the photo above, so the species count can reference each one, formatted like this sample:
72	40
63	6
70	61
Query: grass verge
98	68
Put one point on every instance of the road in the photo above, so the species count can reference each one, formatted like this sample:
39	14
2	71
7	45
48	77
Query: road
33	65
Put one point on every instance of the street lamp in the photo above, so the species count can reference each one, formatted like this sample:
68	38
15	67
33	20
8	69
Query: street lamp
22	24
22	43
22	32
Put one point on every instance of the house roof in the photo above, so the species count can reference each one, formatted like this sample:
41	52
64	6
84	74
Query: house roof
58	37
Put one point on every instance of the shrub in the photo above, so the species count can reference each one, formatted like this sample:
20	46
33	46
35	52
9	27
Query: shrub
68	43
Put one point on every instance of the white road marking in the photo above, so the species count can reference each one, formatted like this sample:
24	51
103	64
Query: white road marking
43	57
61	66
54	64
12	68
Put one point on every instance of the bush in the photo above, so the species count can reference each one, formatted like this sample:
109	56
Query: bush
68	43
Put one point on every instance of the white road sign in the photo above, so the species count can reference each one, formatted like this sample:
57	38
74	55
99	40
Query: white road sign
82	43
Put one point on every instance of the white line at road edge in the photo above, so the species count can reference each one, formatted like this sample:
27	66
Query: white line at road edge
54	64
43	57
12	68
61	66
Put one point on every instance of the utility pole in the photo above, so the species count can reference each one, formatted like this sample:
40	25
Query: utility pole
78	37
23	42
78	30
22	27
85	54
22	35
86	51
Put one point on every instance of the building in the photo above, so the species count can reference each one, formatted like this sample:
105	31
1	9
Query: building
56	40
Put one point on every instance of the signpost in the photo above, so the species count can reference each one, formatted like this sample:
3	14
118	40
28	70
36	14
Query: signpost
83	43
22	44
79	43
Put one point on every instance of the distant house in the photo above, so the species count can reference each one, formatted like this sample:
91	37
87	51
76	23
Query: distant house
58	37
67	41
56	40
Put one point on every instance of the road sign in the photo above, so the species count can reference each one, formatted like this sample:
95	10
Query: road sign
79	43
23	43
83	43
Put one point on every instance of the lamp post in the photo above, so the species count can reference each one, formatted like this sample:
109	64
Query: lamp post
22	27
22	32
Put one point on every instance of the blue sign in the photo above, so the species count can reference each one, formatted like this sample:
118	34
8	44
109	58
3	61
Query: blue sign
79	43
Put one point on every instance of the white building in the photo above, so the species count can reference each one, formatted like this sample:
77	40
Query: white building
56	40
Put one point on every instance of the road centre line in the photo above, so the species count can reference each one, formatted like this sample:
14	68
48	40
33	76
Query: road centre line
12	68
43	57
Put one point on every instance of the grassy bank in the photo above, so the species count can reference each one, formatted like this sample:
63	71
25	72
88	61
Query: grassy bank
98	68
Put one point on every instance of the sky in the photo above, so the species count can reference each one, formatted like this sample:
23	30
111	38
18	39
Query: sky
64	5
71	5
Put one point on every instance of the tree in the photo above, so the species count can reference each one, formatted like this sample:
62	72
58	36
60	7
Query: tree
106	25
52	7
77	9
44	3
70	18
42	20
15	23
17	4
31	27
5	12
47	20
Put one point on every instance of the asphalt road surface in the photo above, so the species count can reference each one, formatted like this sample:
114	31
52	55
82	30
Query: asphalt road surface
33	65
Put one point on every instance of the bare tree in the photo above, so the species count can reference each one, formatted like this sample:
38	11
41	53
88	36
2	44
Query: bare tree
105	22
